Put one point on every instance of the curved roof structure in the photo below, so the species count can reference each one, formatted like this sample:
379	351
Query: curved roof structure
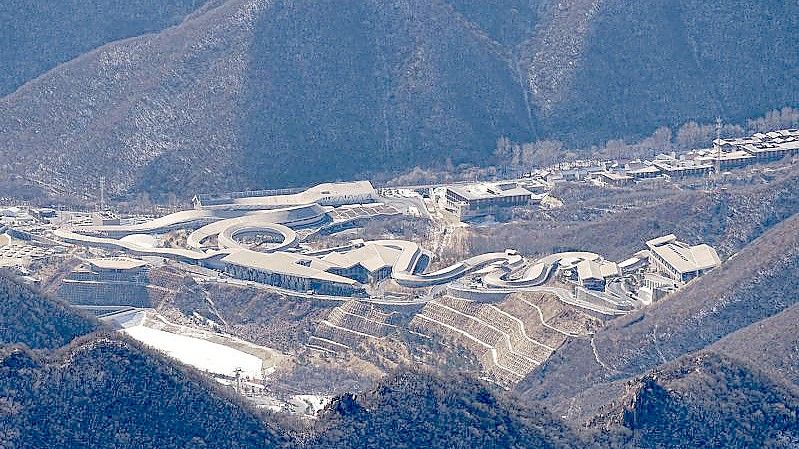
270	220
192	219
409	279
537	273
227	238
184	255
331	193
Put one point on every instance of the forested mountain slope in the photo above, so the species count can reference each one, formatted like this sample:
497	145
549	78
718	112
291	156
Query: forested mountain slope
39	322
411	409
253	93
758	282
37	35
772	344
105	392
704	400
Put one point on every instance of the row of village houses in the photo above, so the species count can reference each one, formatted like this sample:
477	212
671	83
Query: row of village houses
726	154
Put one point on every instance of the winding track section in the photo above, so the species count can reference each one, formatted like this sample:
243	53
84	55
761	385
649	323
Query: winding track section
537	273
406	277
501	271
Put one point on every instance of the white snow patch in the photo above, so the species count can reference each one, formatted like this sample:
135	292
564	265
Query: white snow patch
309	404
201	354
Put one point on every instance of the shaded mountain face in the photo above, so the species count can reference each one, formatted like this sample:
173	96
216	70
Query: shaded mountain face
650	62
39	322
757	283
38	34
704	400
369	86
250	93
110	393
772	344
412	409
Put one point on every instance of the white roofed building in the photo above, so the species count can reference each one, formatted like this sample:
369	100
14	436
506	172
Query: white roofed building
327	194
590	275
482	199
680	261
290	271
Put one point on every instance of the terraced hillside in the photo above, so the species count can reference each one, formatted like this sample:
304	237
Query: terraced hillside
349	324
747	292
510	339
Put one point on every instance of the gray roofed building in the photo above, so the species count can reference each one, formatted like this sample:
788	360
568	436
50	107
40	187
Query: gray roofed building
290	271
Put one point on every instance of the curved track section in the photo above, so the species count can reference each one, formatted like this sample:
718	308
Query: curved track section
538	273
197	219
183	255
494	260
272	221
227	238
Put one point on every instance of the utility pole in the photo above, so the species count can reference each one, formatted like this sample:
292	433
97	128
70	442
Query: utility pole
102	193
237	373
717	167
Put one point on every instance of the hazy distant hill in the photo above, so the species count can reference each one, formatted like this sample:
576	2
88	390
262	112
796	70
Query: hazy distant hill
646	62
256	93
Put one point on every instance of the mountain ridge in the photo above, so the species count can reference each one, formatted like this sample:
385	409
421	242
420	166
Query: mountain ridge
270	94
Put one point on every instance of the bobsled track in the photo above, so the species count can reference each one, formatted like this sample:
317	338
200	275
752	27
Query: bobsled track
214	235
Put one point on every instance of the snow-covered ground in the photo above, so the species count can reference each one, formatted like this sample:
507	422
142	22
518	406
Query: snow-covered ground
308	404
201	354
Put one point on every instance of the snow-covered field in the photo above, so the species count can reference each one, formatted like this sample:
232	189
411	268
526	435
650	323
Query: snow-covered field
201	354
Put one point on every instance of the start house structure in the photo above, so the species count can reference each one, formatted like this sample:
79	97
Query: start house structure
680	261
327	194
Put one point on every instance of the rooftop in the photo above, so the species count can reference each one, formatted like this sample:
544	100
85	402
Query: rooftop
117	263
614	176
485	190
683	257
647	169
288	264
358	190
370	256
589	269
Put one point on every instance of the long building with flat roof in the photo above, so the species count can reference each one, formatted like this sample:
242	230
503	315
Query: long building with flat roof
290	271
762	147
481	199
